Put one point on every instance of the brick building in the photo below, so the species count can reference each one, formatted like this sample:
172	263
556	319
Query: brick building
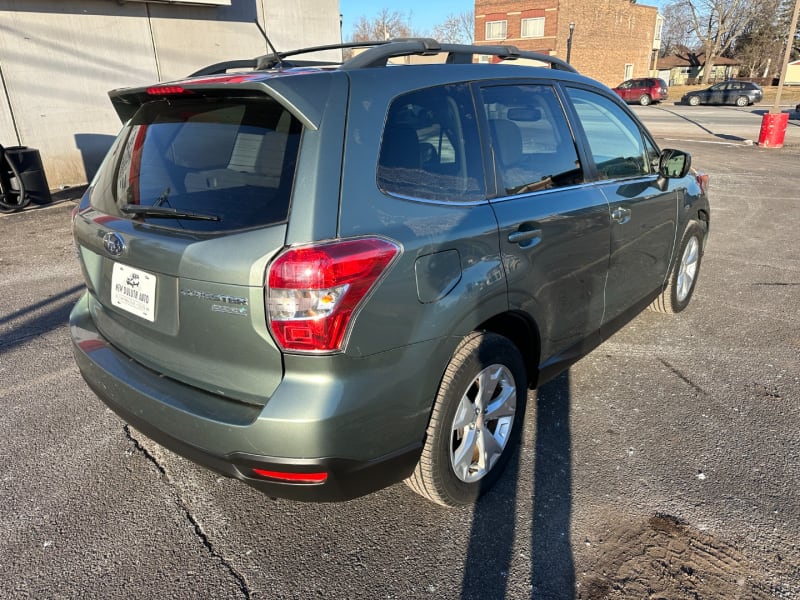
612	40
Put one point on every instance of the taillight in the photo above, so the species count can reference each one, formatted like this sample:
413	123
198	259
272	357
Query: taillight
313	291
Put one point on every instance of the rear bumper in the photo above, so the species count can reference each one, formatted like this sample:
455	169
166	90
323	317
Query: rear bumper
233	438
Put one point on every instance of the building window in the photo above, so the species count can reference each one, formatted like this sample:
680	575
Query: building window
533	28
496	30
659	28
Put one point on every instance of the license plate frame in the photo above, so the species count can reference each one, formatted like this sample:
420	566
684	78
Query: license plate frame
134	291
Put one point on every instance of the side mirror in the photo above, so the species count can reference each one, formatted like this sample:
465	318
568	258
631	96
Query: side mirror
674	163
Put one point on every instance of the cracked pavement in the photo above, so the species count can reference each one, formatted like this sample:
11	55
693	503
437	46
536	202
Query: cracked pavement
663	464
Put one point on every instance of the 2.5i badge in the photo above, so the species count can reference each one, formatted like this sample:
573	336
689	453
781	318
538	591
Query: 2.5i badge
134	291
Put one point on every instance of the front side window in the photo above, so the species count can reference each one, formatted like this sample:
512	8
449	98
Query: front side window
533	27
615	141
430	147
230	160
496	30
532	144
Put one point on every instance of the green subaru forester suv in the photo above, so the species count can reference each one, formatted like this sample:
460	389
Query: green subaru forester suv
325	279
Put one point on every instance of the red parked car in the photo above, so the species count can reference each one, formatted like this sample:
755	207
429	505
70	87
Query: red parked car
644	90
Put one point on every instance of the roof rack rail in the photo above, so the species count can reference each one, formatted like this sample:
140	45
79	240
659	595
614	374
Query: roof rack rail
222	67
456	53
273	59
378	54
268	61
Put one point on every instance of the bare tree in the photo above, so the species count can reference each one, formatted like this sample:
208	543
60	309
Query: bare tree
456	29
386	25
676	34
761	45
717	24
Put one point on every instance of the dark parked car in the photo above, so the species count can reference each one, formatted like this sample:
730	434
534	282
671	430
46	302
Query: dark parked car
644	91
323	280
740	93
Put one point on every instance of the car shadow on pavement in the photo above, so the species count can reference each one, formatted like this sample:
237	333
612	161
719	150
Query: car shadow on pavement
723	136
37	319
487	569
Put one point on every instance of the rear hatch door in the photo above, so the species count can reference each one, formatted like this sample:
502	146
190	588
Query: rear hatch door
186	211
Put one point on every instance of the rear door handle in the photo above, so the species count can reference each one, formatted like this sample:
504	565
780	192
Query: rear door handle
621	215
525	237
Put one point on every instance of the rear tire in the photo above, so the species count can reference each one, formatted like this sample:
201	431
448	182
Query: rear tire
683	277
742	101
476	421
644	100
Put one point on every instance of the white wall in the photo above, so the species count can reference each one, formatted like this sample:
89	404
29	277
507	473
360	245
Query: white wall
59	58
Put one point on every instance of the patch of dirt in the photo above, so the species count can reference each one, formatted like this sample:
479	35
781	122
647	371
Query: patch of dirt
664	558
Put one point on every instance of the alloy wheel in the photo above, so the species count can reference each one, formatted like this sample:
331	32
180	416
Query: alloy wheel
483	423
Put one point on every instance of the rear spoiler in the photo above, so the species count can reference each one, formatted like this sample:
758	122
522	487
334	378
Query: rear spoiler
305	97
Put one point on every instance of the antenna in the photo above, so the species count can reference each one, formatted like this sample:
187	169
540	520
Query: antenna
269	44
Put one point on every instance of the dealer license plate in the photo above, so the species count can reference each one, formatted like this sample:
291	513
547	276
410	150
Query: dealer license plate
134	291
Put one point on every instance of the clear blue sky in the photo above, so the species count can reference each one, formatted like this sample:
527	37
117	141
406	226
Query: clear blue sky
423	15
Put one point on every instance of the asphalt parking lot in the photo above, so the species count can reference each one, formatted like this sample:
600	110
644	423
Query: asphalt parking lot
663	465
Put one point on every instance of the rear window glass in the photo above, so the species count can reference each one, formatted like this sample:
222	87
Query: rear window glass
229	162
430	147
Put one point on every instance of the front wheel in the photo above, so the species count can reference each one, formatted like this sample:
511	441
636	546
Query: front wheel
475	423
683	277
694	101
644	100
742	101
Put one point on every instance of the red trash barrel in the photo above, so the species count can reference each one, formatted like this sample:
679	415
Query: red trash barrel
773	130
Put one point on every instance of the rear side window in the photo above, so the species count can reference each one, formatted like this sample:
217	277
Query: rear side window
532	143
430	147
231	160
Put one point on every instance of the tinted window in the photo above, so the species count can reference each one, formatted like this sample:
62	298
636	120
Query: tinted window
614	139
233	160
430	147
532	144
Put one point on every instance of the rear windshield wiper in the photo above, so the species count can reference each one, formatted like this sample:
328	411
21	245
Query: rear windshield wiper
164	212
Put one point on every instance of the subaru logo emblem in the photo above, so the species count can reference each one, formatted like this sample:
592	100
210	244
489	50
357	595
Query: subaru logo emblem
113	243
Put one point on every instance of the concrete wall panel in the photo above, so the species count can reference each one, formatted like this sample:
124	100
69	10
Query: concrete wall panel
60	58
58	68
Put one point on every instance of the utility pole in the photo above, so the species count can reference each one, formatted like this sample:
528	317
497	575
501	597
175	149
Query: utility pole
786	55
773	124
